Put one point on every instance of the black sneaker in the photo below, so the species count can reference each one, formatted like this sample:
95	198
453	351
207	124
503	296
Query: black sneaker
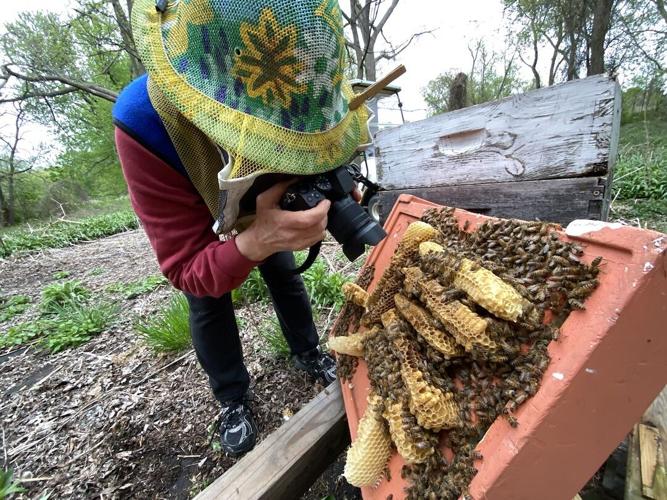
319	365
238	431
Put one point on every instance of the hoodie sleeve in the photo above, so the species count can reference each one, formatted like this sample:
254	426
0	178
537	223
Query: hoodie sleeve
178	225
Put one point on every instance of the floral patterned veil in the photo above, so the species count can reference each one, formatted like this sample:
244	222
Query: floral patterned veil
263	81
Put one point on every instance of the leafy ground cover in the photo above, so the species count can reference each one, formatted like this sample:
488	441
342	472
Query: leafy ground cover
63	233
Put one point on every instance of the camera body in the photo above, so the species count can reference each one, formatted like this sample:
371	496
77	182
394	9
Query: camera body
348	222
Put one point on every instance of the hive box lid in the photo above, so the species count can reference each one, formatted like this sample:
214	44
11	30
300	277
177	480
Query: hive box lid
608	365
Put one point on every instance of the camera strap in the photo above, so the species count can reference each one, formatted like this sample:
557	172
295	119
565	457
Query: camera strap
313	253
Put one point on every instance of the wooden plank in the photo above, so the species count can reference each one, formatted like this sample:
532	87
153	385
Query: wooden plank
633	481
286	463
649	439
567	130
613	150
558	200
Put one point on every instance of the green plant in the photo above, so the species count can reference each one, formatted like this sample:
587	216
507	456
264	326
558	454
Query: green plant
8	485
135	289
56	295
64	233
13	306
24	333
68	325
274	340
252	290
77	324
324	287
61	275
169	331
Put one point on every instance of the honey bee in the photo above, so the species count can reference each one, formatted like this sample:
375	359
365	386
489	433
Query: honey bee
596	261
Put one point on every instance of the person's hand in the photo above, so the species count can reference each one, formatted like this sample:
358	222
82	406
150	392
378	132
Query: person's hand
356	195
275	230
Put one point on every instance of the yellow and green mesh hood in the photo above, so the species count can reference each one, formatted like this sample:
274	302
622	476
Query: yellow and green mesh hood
264	80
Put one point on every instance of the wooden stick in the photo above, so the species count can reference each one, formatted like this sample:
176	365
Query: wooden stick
376	88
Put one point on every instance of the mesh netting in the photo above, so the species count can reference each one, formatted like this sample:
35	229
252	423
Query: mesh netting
264	80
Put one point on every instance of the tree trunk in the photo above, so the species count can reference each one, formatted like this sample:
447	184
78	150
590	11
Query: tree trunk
11	202
601	22
125	28
458	92
3	209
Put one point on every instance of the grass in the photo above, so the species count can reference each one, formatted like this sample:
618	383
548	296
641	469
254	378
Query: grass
135	289
64	233
252	290
275	342
57	295
13	306
8	485
169	331
640	179
323	286
67	320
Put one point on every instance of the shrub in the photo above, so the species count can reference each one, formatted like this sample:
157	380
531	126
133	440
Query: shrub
169	331
324	287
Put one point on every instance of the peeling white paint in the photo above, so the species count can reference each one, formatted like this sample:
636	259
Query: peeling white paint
648	267
558	376
580	227
590	370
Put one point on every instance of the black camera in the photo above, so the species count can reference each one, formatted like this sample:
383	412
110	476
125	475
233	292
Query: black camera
348	222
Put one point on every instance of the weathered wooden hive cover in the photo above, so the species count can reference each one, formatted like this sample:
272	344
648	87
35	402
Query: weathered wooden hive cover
608	365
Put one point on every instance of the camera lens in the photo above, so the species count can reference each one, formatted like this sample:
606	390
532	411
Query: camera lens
353	227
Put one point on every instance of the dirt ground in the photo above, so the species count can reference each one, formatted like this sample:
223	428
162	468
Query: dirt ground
111	418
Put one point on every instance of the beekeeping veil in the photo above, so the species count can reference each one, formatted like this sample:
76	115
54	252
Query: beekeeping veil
263	81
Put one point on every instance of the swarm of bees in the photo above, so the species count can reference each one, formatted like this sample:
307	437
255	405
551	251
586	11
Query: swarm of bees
455	335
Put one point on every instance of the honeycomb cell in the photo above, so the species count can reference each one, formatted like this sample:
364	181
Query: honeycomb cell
433	408
468	328
368	456
411	451
425	325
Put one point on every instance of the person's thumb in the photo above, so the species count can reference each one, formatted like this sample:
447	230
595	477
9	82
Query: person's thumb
271	197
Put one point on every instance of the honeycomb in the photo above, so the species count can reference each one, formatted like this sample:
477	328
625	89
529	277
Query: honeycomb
456	339
411	450
468	328
354	294
368	456
352	345
433	408
425	325
382	298
484	287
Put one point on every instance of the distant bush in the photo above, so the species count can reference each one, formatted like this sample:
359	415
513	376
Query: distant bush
61	234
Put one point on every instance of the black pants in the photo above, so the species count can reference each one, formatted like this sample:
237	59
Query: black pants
215	335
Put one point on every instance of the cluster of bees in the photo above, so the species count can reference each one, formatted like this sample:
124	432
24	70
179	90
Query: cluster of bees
454	335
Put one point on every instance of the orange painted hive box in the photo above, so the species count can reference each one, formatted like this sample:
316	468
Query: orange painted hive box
608	363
